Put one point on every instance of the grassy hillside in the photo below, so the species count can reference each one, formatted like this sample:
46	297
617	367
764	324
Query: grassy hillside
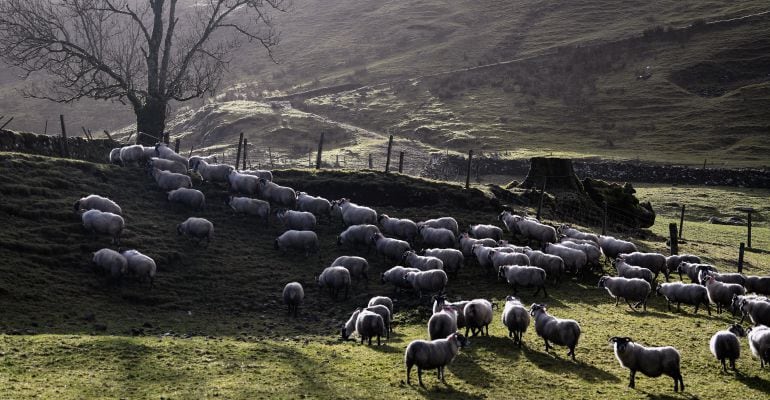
213	326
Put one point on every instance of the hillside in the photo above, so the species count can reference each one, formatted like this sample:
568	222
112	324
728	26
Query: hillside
213	325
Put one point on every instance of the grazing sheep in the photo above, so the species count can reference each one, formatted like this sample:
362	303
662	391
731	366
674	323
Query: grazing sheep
433	281
243	183
443	222
531	229
574	260
655	262
114	157
396	275
651	361
437	237
552	265
498	258
626	270
504	244
306	241
148	152
366	324
193	161
720	293
384	312
163	151
633	289
451	258
736	278
357	266
516	318
392	249
435	354
759	343
758	284
293	294
245	205
523	275
693	270
189	197
573	233
259	173
170	181
96	202
758	310
283	196
401	228
297	220
131	154
725	345
483	231
423	263
672	262
357	235
482	256
334	279
443	323
319	206
593	253
104	223
353	214
478	316
197	228
140	265
467	242
166	165
111	262
612	247
580	241
562	332
382	301
440	301
735	305
213	172
687	293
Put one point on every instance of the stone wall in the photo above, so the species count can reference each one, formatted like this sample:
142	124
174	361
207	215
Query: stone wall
97	150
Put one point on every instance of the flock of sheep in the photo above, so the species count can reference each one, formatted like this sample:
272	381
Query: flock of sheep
444	251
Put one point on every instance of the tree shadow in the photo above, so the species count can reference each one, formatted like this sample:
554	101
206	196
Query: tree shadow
438	390
565	365
754	382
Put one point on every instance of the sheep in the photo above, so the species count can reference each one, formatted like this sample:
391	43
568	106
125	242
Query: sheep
478	316
758	284
390	248
114	157
498	258
356	235
443	323
190	197
306	241
687	293
166	165
612	247
382	301
580	241
736	278
523	275
482	256
111	262
655	262
574	260
650	361
131	154
366	323
673	261
213	172
735	305
170	181
720	293
437	237
242	183
467	242
245	205
96	202
105	223
452	259
633	289
515	249
563	332
384	312
439	301
725	345
626	270
516	318
483	231
148	152
573	233
759	343
432	281
532	229
163	151
693	270
197	228
396	275
593	253
140	265
334	279
319	206
423	263
259	173
401	228
757	310
552	265
297	220
293	294
283	196
435	354
353	214
357	266
443	222
193	161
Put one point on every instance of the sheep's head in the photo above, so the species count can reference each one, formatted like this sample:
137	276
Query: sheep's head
620	342
406	255
179	229
535	308
501	272
659	290
77	206
381	217
602	280
376	237
737	330
382	278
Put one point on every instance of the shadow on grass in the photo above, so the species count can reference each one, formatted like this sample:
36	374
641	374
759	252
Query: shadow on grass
465	368
754	382
436	390
564	365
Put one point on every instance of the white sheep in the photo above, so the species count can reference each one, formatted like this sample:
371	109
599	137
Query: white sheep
759	343
163	151
432	281
481	253
693	270
626	270
170	181
443	222
442	323
293	294
193	161
396	275
758	310
402	228
423	263
306	241
114	157
213	172
440	301
319	206
730	277
484	231
726	345
467	242
573	233
166	165
242	183
435	354
530	229
353	214
687	293
382	301
516	318
104	223
357	266
96	202
245	205
633	289
357	235
392	249
140	265
551	264
478	316
131	154
452	259
651	361
437	237
367	324
612	247
334	279
523	275
563	332
297	220
197	228
673	261
190	197
384	312
499	258
259	173
592	252
655	262
720	293
758	284
283	196
111	262
574	260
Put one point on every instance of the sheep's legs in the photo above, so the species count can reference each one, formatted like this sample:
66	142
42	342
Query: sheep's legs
419	376
724	365
632	379
630	306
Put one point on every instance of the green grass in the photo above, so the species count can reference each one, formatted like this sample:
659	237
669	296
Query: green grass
213	326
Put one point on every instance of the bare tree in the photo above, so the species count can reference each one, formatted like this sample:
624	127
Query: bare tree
142	52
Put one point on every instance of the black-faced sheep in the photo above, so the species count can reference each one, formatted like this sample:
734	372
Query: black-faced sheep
612	247
563	332
442	323
443	222
435	354
305	241
353	214
334	279
189	197
725	345
140	265
551	264
248	206
433	281
293	294
687	293
402	228
437	237
390	248
452	259
423	263
96	202
759	343
633	289
103	223
280	195
483	231
319	206
516	318
297	220
357	266
650	361
170	181
440	301
111	262
197	228
478	316
720	293
358	235
396	275
525	276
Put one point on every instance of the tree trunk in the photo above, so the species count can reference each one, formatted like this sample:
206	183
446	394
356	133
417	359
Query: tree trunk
558	171
150	122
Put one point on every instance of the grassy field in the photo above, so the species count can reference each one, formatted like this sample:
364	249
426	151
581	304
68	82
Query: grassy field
214	327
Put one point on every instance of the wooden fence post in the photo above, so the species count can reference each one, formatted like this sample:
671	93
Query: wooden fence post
604	224
468	174
681	222
191	150
387	160
65	146
748	244
542	194
238	152
400	162
45	129
673	238
105	132
320	151
370	161
270	156
245	151
741	249
176	145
